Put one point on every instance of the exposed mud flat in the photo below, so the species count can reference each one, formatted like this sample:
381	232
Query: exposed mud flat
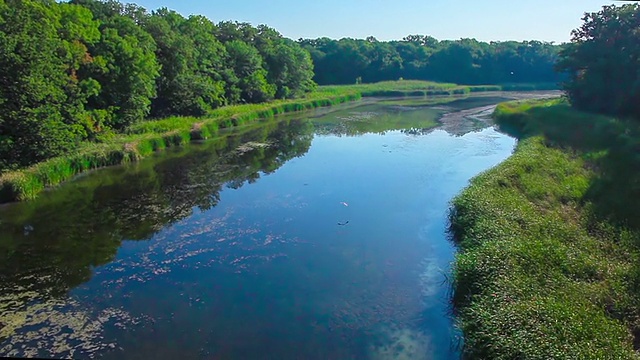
463	121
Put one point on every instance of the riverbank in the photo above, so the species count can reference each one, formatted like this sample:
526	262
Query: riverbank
142	139
549	241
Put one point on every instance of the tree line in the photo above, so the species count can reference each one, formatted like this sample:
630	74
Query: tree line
77	71
84	70
420	57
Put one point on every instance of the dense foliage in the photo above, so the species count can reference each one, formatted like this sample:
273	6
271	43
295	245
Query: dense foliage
43	45
71	72
465	61
603	62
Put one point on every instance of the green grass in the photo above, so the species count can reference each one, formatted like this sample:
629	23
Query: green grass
404	88
421	101
549	260
401	88
529	86
235	115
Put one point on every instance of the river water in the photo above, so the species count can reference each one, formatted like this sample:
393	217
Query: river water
318	236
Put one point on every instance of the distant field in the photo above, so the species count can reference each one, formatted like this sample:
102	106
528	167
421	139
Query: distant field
428	88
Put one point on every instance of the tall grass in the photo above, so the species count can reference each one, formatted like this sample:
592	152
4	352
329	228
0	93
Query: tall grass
143	139
405	88
541	272
529	86
401	88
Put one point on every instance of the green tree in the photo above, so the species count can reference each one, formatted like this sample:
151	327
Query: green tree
191	59
290	69
250	77
338	61
465	61
209	58
603	62
42	46
124	65
384	62
414	58
421	40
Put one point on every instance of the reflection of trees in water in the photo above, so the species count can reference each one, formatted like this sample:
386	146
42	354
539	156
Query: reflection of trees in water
380	121
458	117
50	245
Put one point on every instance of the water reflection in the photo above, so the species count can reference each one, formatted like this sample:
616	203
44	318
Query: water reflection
376	119
51	245
272	263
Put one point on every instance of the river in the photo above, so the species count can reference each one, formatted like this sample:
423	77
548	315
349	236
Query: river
322	235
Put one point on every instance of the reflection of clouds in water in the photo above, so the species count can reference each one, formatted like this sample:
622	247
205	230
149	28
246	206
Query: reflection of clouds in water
431	279
431	274
364	308
379	295
487	144
396	290
226	240
57	328
400	344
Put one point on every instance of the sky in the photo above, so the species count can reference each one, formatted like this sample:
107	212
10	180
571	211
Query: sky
486	20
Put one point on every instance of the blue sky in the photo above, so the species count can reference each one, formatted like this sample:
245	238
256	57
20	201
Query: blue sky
548	20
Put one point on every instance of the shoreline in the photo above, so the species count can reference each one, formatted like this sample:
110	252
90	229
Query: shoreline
547	247
26	184
145	138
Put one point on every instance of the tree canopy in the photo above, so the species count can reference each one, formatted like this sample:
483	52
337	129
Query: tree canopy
76	71
420	57
603	62
43	45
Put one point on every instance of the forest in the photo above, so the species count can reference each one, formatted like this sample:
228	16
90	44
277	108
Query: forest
78	71
602	62
420	57
86	70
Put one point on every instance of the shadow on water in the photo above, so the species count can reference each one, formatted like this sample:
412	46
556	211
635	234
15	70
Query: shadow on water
134	202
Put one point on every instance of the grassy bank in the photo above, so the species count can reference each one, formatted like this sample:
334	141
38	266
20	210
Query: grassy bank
143	139
549	260
401	88
404	88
